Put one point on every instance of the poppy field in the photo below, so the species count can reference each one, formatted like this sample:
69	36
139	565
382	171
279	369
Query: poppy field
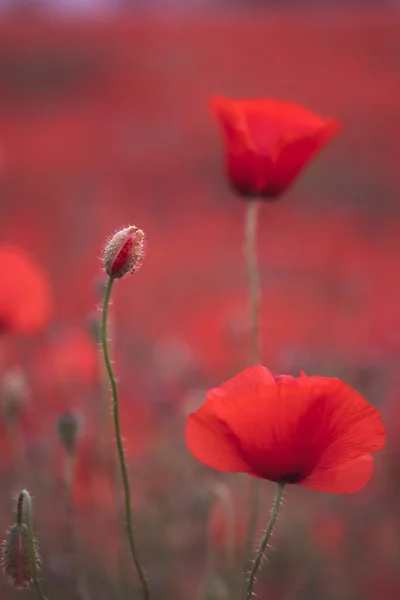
199	307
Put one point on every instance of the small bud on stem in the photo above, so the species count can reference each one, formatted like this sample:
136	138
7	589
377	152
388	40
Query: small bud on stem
124	252
69	425
122	255
20	555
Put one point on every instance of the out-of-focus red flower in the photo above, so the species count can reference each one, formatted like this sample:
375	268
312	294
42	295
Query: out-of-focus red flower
94	478
313	431
70	358
25	296
268	142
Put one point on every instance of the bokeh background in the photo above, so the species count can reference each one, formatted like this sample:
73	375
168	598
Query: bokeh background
104	122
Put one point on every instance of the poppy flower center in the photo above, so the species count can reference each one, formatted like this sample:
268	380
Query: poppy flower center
291	478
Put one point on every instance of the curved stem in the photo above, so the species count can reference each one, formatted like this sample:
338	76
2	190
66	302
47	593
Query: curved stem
260	554
120	449
25	500
103	416
253	282
106	427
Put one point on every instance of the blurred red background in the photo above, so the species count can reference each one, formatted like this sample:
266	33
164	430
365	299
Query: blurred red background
104	122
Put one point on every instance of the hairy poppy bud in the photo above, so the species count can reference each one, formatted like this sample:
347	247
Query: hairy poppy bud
20	558
15	557
124	252
69	425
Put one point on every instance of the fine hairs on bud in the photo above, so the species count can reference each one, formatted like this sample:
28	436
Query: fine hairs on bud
17	562
15	559
124	252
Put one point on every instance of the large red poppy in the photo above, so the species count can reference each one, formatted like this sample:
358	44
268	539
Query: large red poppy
25	295
268	142
313	431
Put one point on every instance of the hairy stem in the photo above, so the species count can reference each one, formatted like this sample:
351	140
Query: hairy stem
261	552
255	494
120	448
106	427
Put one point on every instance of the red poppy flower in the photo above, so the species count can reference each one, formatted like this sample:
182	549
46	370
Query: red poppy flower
268	142
313	431
25	298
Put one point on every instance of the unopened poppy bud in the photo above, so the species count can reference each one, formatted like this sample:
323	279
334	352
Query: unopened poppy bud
124	252
15	394
15	559
69	427
20	558
15	556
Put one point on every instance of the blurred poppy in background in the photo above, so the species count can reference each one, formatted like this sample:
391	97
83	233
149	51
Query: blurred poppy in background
69	357
313	431
25	296
268	142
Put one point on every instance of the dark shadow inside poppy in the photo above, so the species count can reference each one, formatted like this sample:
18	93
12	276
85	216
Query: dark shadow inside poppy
291	478
4	325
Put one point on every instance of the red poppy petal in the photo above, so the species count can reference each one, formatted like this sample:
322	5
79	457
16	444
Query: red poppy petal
288	429
346	478
233	123
269	142
354	427
261	417
285	429
213	444
296	154
250	381
248	172
279	122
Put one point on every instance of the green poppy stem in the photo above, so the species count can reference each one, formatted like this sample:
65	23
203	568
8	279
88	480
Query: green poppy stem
253	282
120	448
261	552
